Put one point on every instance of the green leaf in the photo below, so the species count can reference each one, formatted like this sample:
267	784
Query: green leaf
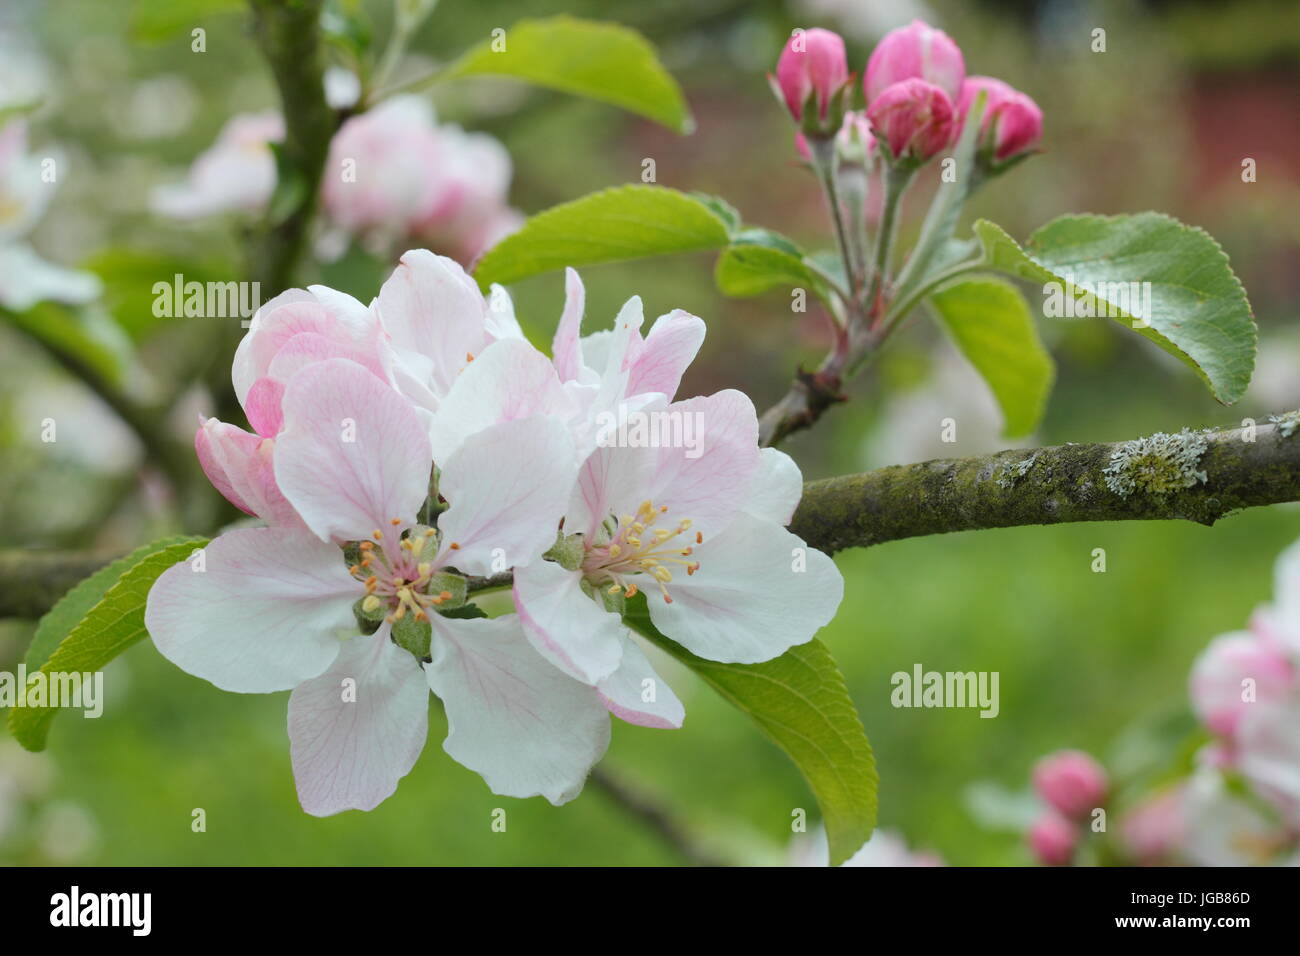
157	21
601	61
112	624
73	606
800	702
130	279
758	260
73	336
992	326
1198	309
724	210
626	222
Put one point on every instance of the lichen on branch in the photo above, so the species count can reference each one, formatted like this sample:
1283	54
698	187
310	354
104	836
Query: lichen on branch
1195	476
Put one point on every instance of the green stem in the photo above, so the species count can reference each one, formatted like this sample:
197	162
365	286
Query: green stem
897	179
899	309
824	163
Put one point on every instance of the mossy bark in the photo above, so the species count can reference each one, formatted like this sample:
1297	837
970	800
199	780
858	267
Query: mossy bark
1063	483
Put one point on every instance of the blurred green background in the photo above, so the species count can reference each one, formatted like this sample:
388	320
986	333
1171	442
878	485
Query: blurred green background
1162	120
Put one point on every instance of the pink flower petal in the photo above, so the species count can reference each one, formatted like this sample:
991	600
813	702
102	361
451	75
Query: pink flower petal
353	454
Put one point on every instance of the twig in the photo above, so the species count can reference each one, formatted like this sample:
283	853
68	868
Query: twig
641	805
31	582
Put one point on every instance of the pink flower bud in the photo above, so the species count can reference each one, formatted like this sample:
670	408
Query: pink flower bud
1236	672
813	61
918	51
1015	121
1071	782
1053	839
914	118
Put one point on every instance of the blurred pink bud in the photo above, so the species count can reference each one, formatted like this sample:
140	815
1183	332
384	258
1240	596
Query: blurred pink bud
1071	782
1235	672
237	173
1015	119
813	61
914	118
1053	839
380	167
1155	828
919	52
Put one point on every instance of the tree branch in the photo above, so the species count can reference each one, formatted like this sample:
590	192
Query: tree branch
1046	486
31	582
1064	483
289	35
640	805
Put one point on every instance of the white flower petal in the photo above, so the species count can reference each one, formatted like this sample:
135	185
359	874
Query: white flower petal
512	716
358	728
566	626
747	602
263	613
637	694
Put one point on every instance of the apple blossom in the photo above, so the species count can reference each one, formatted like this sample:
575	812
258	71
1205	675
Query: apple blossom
1072	782
916	51
236	174
1280	621
273	608
1218	686
25	192
1012	121
392	174
471	182
1224	827
1268	754
812	65
914	119
703	536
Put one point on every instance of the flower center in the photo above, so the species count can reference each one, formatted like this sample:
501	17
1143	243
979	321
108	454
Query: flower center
636	546
398	578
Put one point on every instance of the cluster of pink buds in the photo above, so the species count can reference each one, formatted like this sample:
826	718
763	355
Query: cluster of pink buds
916	92
1072	785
